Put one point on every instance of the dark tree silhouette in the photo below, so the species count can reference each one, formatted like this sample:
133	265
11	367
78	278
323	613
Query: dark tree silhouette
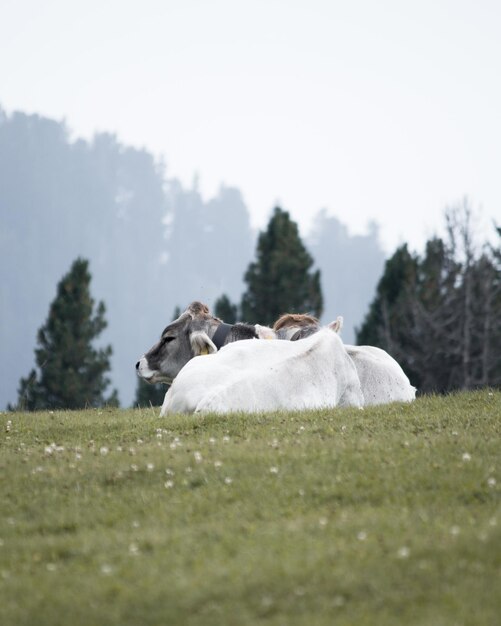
225	310
281	279
71	372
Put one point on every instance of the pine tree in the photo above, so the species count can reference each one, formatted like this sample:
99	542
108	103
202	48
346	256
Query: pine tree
280	280
382	322
225	310
71	373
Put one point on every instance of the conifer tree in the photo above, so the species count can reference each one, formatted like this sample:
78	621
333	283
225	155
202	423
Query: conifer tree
281	279
225	310
71	372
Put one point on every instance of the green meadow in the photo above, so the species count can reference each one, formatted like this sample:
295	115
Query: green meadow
389	515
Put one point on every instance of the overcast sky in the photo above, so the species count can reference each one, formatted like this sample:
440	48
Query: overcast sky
385	111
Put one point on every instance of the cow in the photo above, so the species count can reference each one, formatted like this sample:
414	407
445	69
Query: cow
195	332
255	376
381	377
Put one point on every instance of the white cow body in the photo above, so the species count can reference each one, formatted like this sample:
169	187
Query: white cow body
255	375
381	377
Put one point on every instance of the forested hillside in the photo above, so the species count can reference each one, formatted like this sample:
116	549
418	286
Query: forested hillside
152	244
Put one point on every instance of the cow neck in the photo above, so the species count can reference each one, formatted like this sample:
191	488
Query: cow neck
222	332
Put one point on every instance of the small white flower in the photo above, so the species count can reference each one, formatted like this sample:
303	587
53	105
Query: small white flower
150	467
135	524
228	480
134	467
301	492
273	470
343	428
455	433
8	426
132	451
212	440
491	481
466	456
226	438
78	456
455	530
139	441
134	549
198	457
403	552
119	449
51	567
103	450
362	535
188	470
106	569
169	472
322	521
168	484
217	464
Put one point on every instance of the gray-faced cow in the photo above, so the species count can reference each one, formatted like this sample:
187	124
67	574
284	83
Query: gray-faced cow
195	332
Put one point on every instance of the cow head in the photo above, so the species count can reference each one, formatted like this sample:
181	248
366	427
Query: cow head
294	326
181	340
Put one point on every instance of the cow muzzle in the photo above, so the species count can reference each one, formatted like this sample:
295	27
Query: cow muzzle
143	370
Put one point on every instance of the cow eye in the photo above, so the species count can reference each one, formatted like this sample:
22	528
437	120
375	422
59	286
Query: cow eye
167	339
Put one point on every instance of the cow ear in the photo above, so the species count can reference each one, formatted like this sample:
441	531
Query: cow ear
337	325
201	343
264	332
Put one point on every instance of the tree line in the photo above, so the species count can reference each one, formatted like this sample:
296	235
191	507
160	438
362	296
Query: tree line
438	314
152	242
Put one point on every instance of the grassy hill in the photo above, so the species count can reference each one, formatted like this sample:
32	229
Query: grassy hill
389	516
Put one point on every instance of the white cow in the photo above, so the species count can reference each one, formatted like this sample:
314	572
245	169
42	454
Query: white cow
381	377
254	375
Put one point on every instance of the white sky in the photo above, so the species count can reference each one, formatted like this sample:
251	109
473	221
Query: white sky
384	110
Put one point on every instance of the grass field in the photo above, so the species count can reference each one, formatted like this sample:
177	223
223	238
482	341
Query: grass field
389	516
